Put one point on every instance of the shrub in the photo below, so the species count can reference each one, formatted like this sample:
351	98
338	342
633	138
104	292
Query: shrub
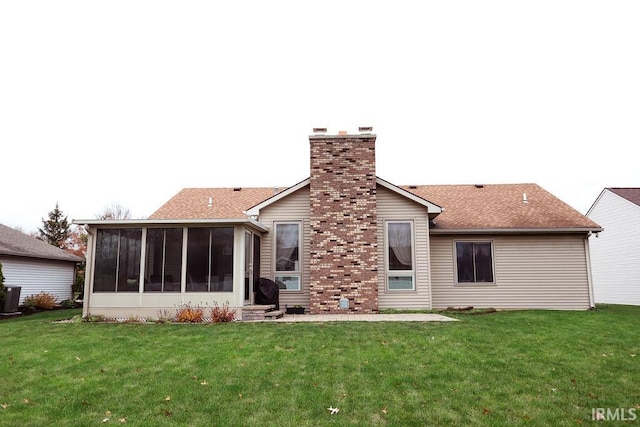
222	314
95	318
43	300
68	303
164	316
189	314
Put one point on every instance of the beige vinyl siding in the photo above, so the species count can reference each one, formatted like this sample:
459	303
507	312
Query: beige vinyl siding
391	206
35	275
294	207
545	272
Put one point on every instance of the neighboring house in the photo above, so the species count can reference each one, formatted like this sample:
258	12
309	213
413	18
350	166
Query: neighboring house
615	254
345	240
36	266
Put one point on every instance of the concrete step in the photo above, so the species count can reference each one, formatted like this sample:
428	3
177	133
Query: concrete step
275	314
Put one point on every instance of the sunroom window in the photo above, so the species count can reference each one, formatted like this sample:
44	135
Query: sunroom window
210	259
400	256
117	265
163	260
287	256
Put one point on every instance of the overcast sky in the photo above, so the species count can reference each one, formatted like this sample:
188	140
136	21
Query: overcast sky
129	101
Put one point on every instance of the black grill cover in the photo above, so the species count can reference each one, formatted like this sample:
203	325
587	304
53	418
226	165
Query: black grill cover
267	292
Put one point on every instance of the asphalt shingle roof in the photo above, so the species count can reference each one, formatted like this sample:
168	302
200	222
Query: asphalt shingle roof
230	203
493	206
500	206
16	243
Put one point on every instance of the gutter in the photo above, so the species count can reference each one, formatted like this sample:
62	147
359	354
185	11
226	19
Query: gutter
185	222
514	230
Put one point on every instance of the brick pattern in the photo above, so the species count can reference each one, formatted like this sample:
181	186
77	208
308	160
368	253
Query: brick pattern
343	256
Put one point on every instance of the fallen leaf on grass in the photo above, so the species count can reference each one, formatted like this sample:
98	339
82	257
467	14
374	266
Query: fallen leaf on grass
193	377
77	358
26	401
485	411
4	405
204	383
384	410
167	398
122	420
333	410
11	359
105	420
166	412
107	412
239	395
593	396
554	390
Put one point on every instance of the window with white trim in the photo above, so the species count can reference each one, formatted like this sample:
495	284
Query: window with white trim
400	256
287	260
474	262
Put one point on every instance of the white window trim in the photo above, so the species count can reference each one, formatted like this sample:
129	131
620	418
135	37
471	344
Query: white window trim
406	273
298	272
455	263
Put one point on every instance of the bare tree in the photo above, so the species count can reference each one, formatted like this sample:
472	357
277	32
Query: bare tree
114	211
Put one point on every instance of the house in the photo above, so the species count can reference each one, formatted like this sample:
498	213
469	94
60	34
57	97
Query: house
615	253
345	240
36	266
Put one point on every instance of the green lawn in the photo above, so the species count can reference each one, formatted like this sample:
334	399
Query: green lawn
505	368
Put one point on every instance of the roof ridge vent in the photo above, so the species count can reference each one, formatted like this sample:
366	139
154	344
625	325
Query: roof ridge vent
479	185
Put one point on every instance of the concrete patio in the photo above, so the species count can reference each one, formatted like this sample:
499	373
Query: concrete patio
400	317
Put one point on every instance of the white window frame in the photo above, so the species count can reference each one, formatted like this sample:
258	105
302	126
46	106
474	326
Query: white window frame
298	272
401	273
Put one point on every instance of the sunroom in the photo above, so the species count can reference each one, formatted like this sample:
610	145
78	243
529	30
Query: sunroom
148	268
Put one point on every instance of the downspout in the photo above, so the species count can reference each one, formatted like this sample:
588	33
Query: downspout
429	265
589	276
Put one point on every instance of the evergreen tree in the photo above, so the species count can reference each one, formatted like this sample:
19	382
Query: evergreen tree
55	230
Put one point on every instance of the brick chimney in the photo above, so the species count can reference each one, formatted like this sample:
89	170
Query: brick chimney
344	256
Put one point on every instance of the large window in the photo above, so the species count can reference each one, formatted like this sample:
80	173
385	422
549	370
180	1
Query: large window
210	259
163	260
287	256
474	262
400	256
117	266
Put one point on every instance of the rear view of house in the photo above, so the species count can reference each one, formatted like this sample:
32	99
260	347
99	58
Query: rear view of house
345	240
616	252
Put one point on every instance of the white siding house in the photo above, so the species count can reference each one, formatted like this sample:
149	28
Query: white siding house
615	254
36	266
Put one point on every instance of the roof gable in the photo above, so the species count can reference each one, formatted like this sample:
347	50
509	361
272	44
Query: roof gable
16	243
628	193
